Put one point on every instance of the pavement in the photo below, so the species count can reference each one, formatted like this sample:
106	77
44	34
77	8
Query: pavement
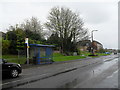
33	73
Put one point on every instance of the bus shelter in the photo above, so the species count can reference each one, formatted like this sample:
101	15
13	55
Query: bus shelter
41	54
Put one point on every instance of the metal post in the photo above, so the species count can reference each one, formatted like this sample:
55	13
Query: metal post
27	53
26	41
92	40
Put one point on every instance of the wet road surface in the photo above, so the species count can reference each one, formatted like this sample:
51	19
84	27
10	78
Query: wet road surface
39	70
99	75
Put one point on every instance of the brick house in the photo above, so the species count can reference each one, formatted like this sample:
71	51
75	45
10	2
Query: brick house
86	45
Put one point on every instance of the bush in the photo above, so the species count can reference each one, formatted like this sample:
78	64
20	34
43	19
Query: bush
5	46
101	51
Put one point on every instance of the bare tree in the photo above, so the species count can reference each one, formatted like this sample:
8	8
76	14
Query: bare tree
68	25
33	25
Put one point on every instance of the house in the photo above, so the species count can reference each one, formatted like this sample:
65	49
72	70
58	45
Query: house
97	45
86	45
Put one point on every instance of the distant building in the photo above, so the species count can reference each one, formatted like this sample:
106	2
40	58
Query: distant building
97	45
86	45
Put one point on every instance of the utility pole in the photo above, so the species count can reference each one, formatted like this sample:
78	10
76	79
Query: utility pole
92	41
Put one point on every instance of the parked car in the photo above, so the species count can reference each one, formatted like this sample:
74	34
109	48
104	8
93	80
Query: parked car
10	69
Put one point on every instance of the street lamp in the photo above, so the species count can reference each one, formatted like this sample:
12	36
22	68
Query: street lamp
92	41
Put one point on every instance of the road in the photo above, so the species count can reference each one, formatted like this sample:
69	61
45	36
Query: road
98	75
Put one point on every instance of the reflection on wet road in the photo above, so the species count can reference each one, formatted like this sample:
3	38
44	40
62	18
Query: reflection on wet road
92	76
99	78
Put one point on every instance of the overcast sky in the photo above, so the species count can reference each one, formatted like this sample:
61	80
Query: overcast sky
101	15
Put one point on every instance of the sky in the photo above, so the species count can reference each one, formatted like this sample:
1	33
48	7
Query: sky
101	15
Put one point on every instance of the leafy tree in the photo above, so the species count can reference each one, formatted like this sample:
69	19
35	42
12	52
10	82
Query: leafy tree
16	36
3	35
12	37
68	25
5	46
0	44
101	51
20	38
54	39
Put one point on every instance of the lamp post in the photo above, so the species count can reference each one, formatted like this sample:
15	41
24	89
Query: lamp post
92	41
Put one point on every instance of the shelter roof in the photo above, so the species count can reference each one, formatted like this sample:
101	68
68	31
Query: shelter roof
41	45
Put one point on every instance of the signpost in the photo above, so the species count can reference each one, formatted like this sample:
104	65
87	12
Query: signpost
26	41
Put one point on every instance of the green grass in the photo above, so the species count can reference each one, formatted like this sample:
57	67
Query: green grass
102	54
85	53
9	56
88	53
59	57
14	59
56	57
66	58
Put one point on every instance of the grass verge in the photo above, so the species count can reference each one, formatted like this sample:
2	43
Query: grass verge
14	59
67	58
56	57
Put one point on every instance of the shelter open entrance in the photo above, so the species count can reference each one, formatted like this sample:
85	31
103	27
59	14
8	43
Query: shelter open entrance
41	54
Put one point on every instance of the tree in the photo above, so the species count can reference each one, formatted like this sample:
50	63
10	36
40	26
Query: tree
20	39
68	25
0	48
16	36
5	46
33	29
12	37
54	39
